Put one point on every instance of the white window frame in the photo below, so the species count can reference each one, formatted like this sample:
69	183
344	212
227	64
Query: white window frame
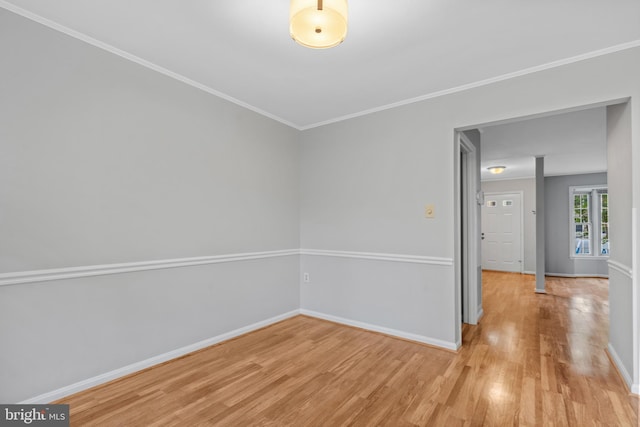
589	225
595	226
602	223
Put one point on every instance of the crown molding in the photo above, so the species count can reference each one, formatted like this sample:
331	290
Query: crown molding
140	61
480	83
119	52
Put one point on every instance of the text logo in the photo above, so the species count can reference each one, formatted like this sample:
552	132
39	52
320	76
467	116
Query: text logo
34	415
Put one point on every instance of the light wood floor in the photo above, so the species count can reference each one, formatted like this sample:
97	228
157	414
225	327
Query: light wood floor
533	360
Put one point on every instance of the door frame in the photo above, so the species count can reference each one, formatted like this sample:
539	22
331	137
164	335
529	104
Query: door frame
520	193
468	231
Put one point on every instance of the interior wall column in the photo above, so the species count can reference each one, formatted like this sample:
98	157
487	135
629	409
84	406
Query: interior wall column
540	231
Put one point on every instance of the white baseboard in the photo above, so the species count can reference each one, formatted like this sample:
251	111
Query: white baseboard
613	355
387	331
138	366
600	276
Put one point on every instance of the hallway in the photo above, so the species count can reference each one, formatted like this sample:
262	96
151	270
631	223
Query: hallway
542	357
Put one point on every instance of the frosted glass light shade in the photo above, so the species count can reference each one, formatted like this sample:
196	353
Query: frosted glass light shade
318	24
496	169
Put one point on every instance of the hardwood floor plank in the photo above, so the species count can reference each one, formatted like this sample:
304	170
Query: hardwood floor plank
534	360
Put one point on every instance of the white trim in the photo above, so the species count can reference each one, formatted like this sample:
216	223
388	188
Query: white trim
589	257
507	178
112	49
24	277
416	259
138	366
140	61
7	279
594	209
485	82
548	113
621	268
546	175
381	329
575	173
480	313
635	288
529	272
600	276
620	366
467	225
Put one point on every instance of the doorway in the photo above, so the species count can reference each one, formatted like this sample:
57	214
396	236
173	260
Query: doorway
624	341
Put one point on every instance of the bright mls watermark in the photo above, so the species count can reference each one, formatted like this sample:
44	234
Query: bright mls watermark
34	415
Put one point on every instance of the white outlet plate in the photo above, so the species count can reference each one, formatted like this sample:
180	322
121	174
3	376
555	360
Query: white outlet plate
306	278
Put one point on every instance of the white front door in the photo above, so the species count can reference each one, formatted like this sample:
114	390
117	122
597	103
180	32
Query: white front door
501	232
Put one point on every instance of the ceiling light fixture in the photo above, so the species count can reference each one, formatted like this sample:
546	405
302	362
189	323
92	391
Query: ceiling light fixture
496	169
318	24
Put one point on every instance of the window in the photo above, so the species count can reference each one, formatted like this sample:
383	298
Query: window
582	221
589	214
604	223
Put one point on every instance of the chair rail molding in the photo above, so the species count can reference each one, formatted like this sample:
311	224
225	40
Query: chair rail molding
416	259
45	275
621	268
22	277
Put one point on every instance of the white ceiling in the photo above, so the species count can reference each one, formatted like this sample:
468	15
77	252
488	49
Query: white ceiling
571	143
395	51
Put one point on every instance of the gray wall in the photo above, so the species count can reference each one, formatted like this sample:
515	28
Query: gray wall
557	230
365	181
173	158
103	161
364	185
621	330
528	188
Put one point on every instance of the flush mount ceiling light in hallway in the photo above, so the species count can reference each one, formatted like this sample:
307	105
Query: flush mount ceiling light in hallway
318	24
496	169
